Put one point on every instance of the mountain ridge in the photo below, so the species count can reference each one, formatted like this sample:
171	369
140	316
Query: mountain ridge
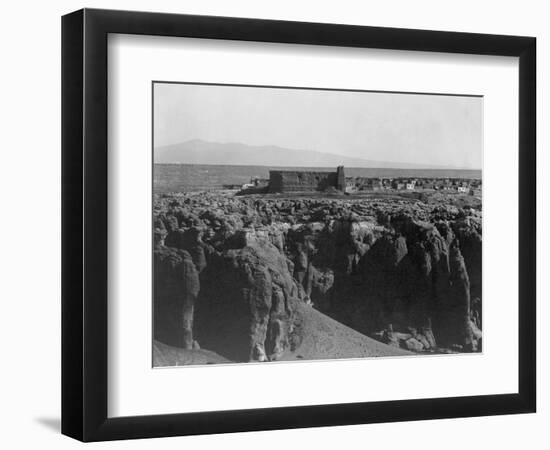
198	151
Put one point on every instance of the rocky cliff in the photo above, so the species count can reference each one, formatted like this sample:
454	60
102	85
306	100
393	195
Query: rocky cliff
246	276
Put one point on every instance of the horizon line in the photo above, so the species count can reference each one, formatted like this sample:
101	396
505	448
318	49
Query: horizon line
314	167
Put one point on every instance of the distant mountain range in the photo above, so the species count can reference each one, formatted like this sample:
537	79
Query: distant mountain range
203	152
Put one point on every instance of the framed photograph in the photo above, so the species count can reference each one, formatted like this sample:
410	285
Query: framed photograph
272	224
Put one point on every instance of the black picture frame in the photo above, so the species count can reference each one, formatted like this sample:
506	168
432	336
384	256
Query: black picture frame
84	224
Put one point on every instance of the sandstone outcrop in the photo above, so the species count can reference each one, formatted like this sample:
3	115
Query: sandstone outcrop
245	306
176	288
231	272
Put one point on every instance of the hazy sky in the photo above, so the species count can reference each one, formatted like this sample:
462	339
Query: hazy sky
423	129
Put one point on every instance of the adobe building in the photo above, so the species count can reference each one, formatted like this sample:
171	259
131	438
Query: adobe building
306	181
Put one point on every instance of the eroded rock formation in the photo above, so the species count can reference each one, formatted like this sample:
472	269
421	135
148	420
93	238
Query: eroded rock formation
229	271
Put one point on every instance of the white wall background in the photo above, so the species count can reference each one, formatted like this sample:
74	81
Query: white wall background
30	225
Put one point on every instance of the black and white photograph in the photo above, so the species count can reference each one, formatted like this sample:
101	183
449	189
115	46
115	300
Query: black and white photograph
302	224
275	225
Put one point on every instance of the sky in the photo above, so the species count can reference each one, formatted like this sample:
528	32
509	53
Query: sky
395	127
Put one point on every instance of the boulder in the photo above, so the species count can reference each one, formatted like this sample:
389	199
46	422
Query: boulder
413	345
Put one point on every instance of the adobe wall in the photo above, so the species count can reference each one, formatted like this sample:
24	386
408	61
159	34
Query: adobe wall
340	178
298	181
306	181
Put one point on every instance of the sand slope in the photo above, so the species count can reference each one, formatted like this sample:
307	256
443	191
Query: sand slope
325	338
166	355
